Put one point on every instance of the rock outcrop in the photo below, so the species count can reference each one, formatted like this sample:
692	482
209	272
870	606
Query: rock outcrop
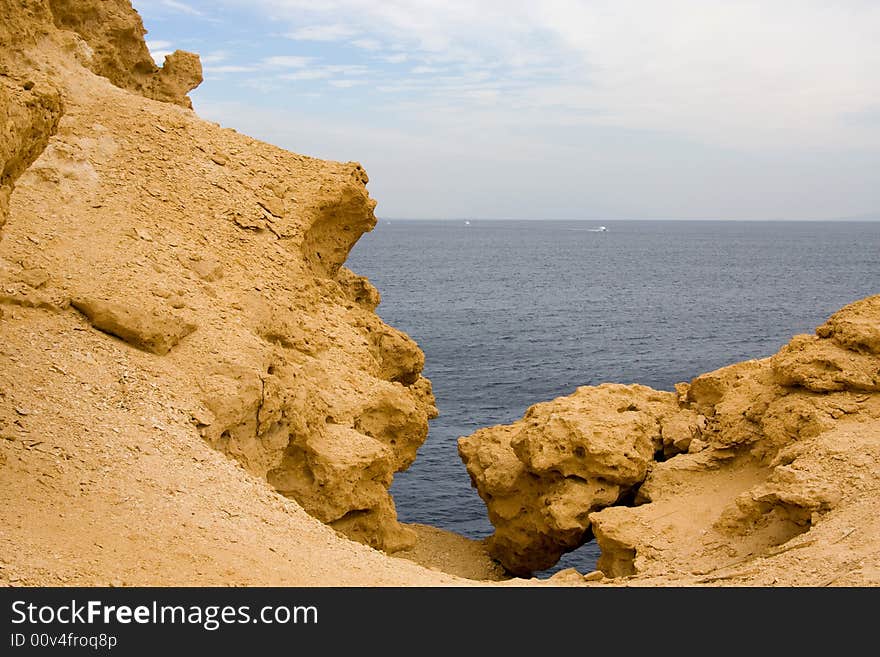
187	367
29	116
729	469
542	476
155	330
218	257
113	46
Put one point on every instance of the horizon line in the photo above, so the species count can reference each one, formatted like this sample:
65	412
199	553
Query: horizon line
868	219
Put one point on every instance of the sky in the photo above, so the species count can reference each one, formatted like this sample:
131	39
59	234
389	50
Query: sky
558	109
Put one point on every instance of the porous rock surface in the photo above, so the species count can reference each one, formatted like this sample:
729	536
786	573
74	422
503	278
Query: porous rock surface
217	256
186	365
760	460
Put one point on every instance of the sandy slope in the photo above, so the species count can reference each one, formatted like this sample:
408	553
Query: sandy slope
102	483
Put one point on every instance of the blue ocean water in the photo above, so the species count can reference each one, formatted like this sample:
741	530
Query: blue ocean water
510	313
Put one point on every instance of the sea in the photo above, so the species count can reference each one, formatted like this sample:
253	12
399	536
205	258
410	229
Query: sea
511	313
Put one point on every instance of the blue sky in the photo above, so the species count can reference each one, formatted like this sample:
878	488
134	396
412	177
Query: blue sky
561	109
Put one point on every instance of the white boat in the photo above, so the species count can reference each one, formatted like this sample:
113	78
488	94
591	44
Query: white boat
600	229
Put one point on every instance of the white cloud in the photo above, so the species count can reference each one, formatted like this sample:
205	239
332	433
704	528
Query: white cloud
347	69
334	32
367	44
286	61
261	83
421	70
484	96
345	84
231	68
722	72
214	57
746	74
327	71
182	7
681	108
306	74
396	58
158	45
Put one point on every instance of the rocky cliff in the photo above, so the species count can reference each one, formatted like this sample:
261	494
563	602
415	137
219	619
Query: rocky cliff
725	479
187	368
142	246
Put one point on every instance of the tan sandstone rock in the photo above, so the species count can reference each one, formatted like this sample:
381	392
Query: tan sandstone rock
732	468
28	117
116	49
158	468
154	329
155	222
542	476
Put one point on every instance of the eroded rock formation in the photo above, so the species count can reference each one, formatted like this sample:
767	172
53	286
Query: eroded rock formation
113	45
217	256
725	471
29	117
166	285
542	476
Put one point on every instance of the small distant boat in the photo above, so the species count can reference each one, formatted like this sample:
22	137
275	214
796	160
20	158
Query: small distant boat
600	229
467	223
